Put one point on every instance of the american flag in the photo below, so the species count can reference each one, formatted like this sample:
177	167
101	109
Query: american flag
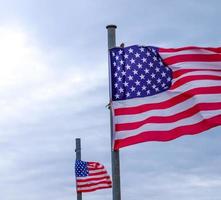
160	94
91	176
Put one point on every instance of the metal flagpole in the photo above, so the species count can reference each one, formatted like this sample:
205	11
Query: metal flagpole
78	157
115	157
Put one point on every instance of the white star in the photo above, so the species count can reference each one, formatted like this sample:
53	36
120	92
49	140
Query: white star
113	54
125	56
127	94
144	87
155	58
131	50
168	79
120	51
137	82
121	62
146	71
148	92
117	57
157	69
151	64
127	66
121	90
137	55
141	49
139	66
142	76
154	51
125	84
161	63
163	85
118	68
115	74
119	78
117	96
158	80
138	93
132	88
157	89
144	60
130	78
132	61
135	71
154	86
148	53
163	74
123	73
153	75
114	63
148	81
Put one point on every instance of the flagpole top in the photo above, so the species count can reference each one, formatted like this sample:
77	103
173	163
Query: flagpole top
111	26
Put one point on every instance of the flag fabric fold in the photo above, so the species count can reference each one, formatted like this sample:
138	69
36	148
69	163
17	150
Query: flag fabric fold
91	176
160	94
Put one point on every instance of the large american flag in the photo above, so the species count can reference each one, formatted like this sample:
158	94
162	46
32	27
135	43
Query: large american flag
91	176
160	94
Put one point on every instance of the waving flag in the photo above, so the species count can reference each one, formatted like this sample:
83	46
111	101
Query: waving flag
160	94
91	176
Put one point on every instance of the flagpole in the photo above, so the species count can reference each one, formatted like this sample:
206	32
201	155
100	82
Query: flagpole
78	157
115	157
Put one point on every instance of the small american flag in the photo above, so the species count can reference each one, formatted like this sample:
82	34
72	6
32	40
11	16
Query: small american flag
160	94
91	176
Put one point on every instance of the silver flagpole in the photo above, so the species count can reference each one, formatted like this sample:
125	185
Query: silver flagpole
115	157
78	157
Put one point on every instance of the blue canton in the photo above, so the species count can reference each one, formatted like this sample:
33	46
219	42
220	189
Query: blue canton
81	169
138	71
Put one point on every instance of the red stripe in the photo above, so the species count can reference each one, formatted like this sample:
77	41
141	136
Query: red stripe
187	79
171	134
91	190
180	72
168	119
164	50
192	58
92	163
98	173
94	184
93	179
93	168
95	165
167	103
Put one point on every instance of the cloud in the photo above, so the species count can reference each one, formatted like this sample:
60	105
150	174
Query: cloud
28	80
40	116
54	88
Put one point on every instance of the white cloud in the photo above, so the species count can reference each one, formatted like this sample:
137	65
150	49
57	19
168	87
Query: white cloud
53	87
28	81
19	61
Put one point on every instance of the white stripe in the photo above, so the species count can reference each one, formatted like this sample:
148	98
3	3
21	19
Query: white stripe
97	171
185	52
195	84
94	187
197	73
168	126
195	65
87	177
95	166
169	111
92	182
164	95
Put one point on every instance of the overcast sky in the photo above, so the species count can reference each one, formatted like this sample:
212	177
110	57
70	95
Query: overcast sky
54	88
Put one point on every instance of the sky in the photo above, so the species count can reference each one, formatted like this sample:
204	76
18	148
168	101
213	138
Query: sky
54	88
